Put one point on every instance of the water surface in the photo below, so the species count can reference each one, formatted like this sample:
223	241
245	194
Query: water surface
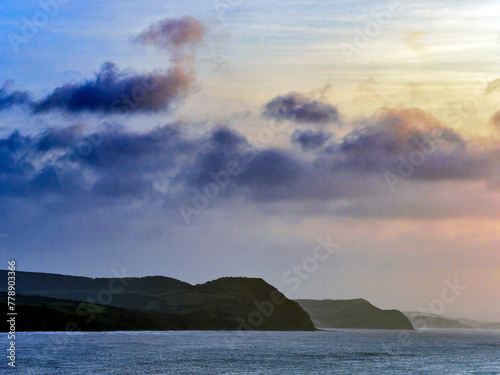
324	352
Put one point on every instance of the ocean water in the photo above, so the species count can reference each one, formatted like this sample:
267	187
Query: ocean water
370	352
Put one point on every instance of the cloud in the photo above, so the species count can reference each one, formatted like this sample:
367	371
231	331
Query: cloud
10	98
392	135
310	139
301	109
60	137
173	34
214	151
415	43
116	91
272	167
82	167
81	163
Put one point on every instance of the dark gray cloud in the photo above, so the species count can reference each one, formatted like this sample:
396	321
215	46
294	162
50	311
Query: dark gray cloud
116	91
310	139
173	34
409	136
214	151
87	168
60	137
272	167
10	98
301	109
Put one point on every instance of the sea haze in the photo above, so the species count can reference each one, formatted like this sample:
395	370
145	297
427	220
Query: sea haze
245	352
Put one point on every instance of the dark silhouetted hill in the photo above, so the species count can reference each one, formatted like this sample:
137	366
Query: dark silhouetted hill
156	303
355	313
426	320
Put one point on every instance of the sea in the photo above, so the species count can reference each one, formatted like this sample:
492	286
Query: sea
370	352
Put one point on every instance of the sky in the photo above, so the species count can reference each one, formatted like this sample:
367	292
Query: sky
335	149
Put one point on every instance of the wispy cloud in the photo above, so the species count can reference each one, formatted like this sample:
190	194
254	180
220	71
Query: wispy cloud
10	98
173	34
